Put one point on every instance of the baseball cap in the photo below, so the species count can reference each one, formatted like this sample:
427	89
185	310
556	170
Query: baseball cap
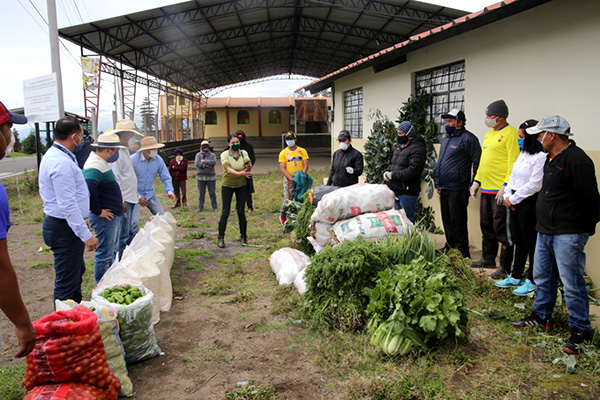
7	116
290	134
552	123
455	113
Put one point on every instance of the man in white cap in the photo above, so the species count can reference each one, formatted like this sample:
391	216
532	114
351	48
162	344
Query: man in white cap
106	202
147	164
567	211
127	181
11	302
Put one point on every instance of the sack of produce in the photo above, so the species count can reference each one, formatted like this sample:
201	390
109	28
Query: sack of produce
286	263
321	233
372	226
318	192
154	237
71	391
350	201
299	282
122	289
162	223
149	274
69	348
109	329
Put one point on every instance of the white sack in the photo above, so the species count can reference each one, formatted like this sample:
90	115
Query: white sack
286	263
372	226
299	282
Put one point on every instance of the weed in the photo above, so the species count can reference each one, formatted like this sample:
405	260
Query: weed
25	243
38	234
39	264
196	266
252	392
193	235
242	297
273	326
211	352
187	224
11	386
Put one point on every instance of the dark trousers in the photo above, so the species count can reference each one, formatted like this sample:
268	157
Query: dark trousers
240	203
453	204
180	186
492	220
249	191
522	228
69	266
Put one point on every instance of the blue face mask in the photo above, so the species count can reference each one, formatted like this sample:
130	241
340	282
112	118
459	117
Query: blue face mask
114	157
290	143
521	141
78	146
450	129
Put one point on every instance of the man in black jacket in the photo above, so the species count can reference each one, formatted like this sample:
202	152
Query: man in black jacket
567	211
454	173
244	145
347	163
403	175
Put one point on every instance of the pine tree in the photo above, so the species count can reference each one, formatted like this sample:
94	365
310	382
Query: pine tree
148	116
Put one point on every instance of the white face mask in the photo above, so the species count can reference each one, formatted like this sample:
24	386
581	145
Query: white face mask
490	122
179	158
343	146
9	146
542	142
153	153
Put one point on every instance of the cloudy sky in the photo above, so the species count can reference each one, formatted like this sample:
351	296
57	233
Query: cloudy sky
26	50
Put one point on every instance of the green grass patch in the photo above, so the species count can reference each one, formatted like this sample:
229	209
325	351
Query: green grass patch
252	392
187	224
11	382
242	297
39	264
274	326
195	266
187	255
38	234
193	235
25	243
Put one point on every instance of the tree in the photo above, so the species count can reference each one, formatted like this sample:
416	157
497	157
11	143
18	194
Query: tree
148	116
17	145
28	144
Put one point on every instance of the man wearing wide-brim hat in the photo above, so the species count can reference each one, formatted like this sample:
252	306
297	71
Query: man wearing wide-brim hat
106	201
147	165
123	169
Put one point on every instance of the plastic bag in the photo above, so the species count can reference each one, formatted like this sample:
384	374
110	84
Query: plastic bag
109	329
69	348
72	391
286	263
135	320
299	282
154	237
351	201
162	223
149	273
372	226
319	191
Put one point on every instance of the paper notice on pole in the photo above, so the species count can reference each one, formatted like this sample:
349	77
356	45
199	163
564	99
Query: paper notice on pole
41	98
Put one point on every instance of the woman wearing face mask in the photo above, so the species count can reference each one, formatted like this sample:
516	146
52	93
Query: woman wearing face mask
205	174
236	168
178	169
520	196
346	164
403	175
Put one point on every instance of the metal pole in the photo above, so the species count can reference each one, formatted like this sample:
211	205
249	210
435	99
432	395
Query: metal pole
55	53
94	124
37	145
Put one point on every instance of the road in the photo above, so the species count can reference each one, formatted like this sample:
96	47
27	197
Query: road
12	166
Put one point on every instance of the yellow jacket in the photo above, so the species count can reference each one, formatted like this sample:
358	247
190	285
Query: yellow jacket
499	151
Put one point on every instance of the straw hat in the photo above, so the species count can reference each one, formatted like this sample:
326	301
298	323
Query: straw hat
108	140
126	125
149	143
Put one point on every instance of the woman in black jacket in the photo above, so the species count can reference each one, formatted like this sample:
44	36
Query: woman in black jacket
346	164
403	175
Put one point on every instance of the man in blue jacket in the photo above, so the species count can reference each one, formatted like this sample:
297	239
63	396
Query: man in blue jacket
454	173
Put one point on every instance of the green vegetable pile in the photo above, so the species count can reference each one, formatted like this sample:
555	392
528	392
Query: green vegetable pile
303	226
291	215
123	295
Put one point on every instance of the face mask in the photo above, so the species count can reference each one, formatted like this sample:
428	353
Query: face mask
9	146
205	151
450	129
290	143
490	122
542	142
77	146
343	146
153	153
179	158
114	157
521	141
235	146
402	139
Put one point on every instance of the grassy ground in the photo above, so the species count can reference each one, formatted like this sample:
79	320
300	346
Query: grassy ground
495	362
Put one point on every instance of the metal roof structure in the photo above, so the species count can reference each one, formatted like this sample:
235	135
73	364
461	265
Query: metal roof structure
201	45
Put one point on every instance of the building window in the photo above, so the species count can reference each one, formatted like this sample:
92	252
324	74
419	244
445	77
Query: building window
446	84
353	104
170	100
210	118
243	117
181	100
274	117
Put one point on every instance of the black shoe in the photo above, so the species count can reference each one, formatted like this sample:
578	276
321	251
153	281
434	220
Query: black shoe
243	241
481	264
578	339
532	321
500	273
221	242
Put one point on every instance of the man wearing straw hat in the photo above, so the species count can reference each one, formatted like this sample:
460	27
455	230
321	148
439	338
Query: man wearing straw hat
106	202
147	165
123	169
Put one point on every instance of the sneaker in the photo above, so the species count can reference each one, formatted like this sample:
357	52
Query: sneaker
282	219
532	321
509	282
525	289
578	339
250	211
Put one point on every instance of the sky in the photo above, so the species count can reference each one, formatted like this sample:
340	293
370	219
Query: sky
26	51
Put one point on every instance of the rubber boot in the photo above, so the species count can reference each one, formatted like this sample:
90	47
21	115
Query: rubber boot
243	240
221	242
506	259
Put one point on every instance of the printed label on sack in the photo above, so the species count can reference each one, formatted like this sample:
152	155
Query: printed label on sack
387	222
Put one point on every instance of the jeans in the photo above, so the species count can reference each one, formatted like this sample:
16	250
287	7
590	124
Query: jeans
69	266
108	234
408	204
453	204
129	227
561	256
202	186
155	208
240	204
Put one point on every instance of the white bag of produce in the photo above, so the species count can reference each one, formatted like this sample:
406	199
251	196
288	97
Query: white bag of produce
154	237
321	233
165	295
372	226
314	244
161	222
149	273
286	263
299	282
170	219
351	201
135	320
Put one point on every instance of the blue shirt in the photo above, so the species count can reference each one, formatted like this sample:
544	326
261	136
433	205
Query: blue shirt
63	190
4	213
146	172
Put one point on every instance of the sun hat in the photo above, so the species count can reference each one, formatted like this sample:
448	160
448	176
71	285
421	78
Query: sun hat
552	123
109	140
7	116
149	143
125	126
